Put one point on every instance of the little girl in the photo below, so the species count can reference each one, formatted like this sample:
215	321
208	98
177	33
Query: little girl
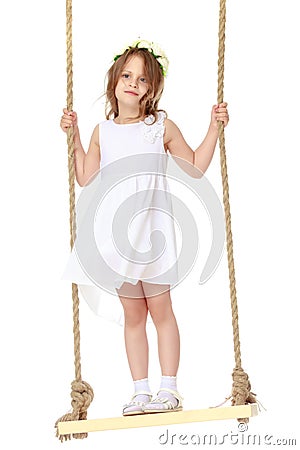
134	87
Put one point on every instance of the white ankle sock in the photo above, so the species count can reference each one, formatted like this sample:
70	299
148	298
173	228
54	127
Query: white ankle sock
141	385
169	382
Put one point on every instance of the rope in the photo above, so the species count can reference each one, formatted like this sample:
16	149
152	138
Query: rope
81	392
241	389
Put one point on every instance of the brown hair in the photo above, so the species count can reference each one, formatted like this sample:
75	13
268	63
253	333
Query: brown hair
153	72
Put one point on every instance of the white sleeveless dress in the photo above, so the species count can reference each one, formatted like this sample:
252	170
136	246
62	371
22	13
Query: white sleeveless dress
125	233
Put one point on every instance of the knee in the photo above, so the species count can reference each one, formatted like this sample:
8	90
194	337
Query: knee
161	313
135	315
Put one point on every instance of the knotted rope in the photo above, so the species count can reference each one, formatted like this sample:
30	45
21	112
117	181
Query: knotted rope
241	389
81	393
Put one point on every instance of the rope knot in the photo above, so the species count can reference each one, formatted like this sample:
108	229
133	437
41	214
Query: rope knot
241	390
82	396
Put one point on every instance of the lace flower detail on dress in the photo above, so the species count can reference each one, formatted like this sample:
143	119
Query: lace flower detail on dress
153	131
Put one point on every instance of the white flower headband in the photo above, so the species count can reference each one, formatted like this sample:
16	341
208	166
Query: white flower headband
154	49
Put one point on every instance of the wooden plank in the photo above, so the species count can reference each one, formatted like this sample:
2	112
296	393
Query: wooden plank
158	419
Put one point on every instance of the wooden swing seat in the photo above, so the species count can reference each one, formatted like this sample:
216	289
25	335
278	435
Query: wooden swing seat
158	419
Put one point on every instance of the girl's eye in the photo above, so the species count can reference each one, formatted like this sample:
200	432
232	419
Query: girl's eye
127	76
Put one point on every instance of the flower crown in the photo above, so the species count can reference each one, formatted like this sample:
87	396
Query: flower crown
154	49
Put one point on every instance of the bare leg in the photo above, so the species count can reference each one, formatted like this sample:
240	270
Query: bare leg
136	342
160	308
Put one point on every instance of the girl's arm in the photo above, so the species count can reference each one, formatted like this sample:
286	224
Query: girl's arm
86	164
202	156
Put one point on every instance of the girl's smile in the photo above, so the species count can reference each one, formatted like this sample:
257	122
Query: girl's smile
131	93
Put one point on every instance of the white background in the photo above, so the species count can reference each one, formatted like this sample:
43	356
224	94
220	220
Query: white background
261	87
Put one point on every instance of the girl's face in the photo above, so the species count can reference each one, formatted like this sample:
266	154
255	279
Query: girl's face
132	84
